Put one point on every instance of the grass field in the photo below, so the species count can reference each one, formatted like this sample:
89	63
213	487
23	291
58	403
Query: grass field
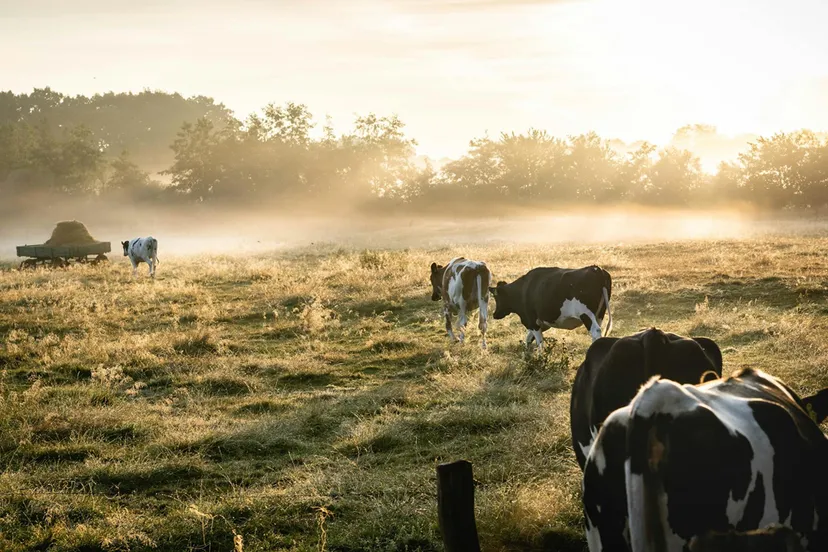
301	400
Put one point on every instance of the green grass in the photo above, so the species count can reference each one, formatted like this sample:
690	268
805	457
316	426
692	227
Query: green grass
302	401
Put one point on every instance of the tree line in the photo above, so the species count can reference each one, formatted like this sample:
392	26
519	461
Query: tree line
105	145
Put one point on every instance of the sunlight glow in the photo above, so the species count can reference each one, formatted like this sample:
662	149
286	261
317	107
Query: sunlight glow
633	69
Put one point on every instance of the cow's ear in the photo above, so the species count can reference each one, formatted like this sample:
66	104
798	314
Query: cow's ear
433	268
817	406
501	283
493	291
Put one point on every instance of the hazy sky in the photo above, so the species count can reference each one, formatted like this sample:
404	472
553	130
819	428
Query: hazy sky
452	69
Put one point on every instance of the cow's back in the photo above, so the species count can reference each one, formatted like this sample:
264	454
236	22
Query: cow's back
614	369
553	285
734	453
473	277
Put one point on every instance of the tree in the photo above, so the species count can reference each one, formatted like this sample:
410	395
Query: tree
633	176
591	167
673	178
125	176
194	171
778	171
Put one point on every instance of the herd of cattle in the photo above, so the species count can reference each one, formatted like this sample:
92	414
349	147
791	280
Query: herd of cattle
674	457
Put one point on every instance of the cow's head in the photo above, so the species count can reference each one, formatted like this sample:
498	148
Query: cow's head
437	272
126	246
502	305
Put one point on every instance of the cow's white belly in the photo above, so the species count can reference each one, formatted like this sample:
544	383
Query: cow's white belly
571	312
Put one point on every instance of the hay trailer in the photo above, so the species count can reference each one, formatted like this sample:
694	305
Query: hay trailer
59	256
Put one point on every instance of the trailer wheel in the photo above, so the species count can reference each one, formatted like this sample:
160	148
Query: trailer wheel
57	262
100	259
28	264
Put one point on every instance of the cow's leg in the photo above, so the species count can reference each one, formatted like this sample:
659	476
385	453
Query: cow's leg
134	267
461	321
151	268
447	314
592	325
483	323
530	337
539	340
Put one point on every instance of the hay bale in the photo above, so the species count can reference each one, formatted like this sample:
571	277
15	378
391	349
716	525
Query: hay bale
70	232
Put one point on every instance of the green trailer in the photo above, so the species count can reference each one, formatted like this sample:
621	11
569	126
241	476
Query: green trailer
58	256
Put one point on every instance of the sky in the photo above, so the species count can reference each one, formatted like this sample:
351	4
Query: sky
451	69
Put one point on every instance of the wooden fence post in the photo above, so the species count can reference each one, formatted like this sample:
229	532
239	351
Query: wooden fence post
455	507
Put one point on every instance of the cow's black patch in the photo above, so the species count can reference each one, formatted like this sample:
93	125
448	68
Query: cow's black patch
755	507
702	466
793	462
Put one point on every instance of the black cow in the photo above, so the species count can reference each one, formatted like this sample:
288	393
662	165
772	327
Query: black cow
551	297
682	461
615	369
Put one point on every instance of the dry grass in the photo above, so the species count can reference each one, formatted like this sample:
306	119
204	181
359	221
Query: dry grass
302	401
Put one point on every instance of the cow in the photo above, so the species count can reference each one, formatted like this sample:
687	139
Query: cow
682	461
142	250
463	286
551	297
614	369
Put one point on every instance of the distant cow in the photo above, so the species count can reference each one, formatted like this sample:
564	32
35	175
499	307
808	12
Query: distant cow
615	369
562	298
142	250
464	286
682	461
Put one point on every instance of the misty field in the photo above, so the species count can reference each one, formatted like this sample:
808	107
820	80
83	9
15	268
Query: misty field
301	400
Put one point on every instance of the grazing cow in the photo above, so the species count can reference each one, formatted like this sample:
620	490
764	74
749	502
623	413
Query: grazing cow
775	538
681	461
142	250
615	369
562	298
460	283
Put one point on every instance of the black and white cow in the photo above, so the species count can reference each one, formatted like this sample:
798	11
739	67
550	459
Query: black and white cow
142	250
464	286
682	461
551	297
615	368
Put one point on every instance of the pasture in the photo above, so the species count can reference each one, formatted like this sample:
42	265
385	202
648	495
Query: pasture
300	400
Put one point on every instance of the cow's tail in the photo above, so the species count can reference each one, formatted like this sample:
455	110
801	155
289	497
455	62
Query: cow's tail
607	291
609	313
647	448
154	251
483	291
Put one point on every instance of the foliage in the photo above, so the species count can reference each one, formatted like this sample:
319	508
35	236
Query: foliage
61	144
